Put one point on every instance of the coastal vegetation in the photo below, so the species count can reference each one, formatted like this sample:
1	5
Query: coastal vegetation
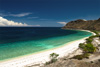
53	58
87	47
80	57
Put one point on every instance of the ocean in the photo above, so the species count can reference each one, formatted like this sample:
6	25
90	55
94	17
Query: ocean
19	41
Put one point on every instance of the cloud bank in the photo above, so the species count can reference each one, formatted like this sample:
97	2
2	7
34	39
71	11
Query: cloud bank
63	23
5	22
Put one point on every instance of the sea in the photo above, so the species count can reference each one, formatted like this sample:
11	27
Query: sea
20	41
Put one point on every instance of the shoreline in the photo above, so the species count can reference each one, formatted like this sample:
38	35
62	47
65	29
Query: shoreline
43	56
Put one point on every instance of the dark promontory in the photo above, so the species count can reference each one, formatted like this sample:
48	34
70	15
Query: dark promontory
83	24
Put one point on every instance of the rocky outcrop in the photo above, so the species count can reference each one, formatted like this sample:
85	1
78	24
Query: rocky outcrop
83	24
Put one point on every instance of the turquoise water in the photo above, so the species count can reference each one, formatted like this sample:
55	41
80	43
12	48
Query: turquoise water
20	48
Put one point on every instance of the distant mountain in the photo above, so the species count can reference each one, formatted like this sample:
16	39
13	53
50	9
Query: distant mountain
83	24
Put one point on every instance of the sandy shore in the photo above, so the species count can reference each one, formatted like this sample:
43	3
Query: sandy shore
43	56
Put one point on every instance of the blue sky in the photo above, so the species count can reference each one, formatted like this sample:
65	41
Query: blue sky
48	13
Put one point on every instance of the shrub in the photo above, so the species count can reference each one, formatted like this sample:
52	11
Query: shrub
86	55
47	63
82	45
91	61
53	58
89	48
54	55
99	60
89	40
80	57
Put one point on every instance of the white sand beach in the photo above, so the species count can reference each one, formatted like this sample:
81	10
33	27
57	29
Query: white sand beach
42	56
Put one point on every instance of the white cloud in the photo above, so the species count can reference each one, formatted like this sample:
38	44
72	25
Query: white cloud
63	23
5	22
15	15
20	15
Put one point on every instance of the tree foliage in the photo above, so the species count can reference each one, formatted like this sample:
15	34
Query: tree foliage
53	58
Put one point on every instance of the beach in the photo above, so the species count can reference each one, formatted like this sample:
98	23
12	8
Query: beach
43	56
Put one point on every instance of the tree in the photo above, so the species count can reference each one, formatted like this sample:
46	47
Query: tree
53	57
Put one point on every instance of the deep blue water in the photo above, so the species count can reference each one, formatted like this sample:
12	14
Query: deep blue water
19	41
15	34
